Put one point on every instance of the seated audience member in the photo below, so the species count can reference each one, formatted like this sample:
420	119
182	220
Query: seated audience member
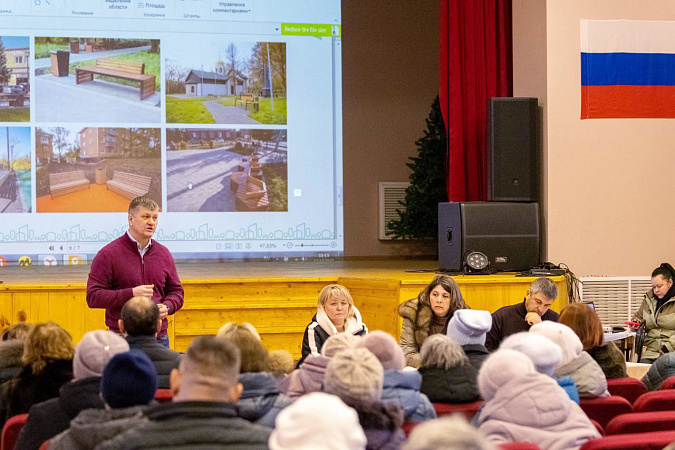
544	354
11	350
585	322
468	328
447	376
356	376
47	419
509	320
318	421
309	376
657	311
576	363
428	314
447	433
524	405
660	371
335	314
203	413
261	400
48	364
127	387
280	362
401	387
140	322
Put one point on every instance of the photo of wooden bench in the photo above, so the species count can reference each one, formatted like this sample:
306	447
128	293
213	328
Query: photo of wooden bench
129	185
128	70
67	182
247	99
251	193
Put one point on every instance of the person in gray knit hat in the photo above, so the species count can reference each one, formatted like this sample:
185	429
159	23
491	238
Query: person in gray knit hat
356	376
468	328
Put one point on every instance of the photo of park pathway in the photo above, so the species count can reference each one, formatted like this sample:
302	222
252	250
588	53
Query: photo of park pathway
15	166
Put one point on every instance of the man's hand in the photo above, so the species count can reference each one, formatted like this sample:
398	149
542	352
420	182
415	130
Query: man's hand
532	318
144	290
163	310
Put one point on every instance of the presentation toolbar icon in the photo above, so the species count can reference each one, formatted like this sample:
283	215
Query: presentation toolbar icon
50	260
75	260
3	261
25	261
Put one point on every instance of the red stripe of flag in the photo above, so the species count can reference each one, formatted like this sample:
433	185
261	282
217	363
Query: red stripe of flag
613	102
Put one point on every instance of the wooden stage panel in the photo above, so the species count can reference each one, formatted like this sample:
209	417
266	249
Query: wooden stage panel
279	306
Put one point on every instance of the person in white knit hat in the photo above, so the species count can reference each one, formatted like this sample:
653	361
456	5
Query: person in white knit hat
317	421
522	404
576	363
448	433
468	328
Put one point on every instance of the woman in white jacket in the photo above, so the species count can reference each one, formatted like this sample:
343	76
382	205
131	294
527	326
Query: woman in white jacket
522	405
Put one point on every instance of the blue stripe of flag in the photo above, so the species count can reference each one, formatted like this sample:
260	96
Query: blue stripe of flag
637	69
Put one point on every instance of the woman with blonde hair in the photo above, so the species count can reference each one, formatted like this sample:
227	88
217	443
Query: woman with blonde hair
48	364
335	314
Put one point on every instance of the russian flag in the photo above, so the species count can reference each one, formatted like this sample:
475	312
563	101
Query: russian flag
627	69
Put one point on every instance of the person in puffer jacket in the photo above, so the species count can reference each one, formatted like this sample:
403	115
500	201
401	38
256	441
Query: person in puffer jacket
335	314
660	371
401	387
309	376
356	376
261	400
576	363
522	405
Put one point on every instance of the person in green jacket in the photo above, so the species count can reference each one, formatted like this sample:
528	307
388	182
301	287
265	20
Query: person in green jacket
657	311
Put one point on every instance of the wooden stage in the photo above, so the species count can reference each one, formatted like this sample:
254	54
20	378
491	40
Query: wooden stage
279	299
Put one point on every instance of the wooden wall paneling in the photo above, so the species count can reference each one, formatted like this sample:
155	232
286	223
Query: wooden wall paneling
7	308
375	299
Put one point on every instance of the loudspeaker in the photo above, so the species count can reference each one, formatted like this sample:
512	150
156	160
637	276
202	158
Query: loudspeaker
513	153
506	232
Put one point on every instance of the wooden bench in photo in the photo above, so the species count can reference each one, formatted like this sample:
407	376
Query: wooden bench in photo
247	99
252	195
128	70
66	182
129	185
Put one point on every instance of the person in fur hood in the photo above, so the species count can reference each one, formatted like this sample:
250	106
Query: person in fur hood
428	314
11	350
335	314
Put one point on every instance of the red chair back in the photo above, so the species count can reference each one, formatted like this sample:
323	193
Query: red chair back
598	427
669	383
656	401
163	396
604	409
642	422
45	445
10	432
519	446
636	441
467	409
628	388
408	427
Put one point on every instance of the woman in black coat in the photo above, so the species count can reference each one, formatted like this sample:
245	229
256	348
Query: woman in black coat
48	359
447	375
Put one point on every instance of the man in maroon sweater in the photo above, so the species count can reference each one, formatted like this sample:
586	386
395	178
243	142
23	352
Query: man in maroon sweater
135	265
513	319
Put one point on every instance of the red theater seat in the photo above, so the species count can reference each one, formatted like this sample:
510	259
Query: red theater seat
642	422
163	396
669	383
637	441
628	388
408	427
519	446
10	432
656	401
604	409
467	409
598	427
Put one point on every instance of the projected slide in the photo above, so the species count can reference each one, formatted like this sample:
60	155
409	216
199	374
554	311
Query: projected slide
228	114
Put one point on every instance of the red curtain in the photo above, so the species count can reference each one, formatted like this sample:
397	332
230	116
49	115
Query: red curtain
475	64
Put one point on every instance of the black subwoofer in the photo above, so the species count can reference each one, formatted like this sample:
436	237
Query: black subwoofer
506	232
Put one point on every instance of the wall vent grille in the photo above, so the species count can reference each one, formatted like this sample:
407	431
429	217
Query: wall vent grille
391	196
616	298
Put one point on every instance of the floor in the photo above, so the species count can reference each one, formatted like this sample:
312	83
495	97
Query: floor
95	199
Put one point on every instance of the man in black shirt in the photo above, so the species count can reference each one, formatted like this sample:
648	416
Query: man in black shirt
512	319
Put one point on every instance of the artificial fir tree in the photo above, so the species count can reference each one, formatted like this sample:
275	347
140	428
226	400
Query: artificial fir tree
5	74
427	183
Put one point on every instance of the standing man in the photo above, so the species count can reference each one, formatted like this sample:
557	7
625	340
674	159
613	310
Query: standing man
134	265
513	319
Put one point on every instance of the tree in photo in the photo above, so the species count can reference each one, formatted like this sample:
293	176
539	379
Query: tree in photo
175	77
5	74
419	218
60	140
232	63
273	67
